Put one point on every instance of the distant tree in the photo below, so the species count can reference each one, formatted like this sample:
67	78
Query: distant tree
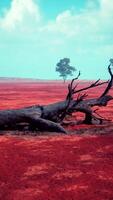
111	61
64	68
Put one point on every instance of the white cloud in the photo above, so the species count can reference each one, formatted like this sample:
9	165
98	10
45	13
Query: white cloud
21	12
91	24
87	34
106	5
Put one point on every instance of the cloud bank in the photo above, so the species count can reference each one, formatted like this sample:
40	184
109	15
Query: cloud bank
89	31
20	14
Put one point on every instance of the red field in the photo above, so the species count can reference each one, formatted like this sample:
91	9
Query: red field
78	166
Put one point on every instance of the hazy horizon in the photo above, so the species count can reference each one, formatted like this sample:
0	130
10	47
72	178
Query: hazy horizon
46	79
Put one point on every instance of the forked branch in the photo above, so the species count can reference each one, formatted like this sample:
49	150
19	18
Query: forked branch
110	83
95	84
47	117
71	88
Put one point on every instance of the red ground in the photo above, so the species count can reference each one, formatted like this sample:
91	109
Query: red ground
54	167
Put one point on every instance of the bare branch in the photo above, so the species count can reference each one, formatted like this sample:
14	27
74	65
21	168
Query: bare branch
69	97
71	89
95	84
81	97
110	83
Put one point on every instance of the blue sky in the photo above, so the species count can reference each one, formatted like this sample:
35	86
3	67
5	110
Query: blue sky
35	34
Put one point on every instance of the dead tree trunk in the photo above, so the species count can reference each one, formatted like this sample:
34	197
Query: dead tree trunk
49	117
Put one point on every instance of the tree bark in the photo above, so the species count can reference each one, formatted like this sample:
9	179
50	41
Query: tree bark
46	118
49	117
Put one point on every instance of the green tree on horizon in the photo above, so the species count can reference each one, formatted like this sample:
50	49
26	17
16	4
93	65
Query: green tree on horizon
64	68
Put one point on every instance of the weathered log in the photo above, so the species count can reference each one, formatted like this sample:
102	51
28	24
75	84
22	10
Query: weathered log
48	117
30	116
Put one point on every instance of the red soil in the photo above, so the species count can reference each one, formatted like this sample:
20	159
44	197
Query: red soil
54	167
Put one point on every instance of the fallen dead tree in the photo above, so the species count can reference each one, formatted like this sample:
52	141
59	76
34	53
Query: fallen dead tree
50	117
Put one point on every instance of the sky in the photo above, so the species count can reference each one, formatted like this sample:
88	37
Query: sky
36	34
